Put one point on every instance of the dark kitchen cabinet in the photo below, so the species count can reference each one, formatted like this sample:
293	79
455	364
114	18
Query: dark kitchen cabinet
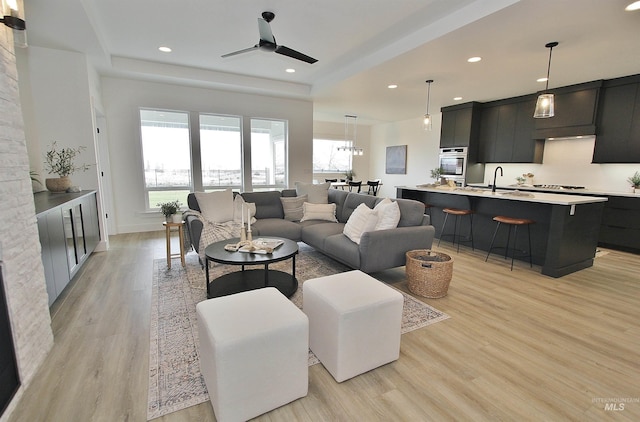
460	126
575	112
506	132
618	127
620	226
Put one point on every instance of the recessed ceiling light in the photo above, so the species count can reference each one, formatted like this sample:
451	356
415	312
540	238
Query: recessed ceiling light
474	59
392	86
633	6
541	80
290	70
457	98
164	49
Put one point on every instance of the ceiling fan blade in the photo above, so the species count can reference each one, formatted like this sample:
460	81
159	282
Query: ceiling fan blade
246	50
265	31
286	51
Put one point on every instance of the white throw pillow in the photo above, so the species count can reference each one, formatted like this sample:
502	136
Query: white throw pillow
240	210
319	212
317	193
216	206
292	207
388	214
363	219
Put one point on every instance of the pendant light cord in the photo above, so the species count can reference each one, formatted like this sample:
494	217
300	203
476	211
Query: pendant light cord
549	68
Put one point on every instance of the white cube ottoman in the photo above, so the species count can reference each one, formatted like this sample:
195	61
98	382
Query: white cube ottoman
354	322
254	349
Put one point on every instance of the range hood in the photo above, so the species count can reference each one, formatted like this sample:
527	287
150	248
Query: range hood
575	112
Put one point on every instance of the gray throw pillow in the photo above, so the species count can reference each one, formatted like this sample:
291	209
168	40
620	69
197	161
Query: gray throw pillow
292	207
317	193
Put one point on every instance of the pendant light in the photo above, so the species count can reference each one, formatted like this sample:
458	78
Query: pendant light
427	121
353	149
544	105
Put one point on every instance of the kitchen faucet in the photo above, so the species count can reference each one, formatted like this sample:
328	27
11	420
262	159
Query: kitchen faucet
495	174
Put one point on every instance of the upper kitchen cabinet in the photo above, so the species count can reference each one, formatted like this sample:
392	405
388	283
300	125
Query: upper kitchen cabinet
460	126
506	132
618	134
575	112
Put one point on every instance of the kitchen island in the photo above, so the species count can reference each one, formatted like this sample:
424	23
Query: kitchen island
563	239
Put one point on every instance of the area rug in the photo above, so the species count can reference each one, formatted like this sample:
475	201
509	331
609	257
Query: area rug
175	381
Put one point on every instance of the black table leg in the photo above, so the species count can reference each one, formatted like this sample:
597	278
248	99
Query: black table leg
206	265
293	268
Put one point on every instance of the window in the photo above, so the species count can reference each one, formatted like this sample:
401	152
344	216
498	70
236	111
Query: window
179	158
328	159
221	151
268	153
166	154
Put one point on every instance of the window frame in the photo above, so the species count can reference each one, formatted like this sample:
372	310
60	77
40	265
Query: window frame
147	190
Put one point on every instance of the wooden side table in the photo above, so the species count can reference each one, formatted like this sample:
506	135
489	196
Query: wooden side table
180	255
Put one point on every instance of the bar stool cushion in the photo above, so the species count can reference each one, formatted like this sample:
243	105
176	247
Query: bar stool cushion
512	220
456	211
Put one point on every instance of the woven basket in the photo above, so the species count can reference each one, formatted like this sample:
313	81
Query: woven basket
429	273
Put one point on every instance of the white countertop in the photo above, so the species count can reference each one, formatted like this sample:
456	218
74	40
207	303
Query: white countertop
512	195
572	191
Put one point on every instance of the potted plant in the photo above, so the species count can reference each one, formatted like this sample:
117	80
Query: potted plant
62	162
349	175
169	210
635	181
437	173
521	180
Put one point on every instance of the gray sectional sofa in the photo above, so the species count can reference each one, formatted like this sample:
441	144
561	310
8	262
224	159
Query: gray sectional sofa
378	250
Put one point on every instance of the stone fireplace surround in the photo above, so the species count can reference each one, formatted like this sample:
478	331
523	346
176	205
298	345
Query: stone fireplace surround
19	243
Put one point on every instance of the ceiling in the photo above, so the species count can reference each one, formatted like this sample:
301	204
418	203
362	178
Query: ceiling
362	46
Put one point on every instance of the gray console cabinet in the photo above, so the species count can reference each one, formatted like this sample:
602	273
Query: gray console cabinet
69	232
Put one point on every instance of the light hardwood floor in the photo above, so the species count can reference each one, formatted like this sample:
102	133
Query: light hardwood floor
518	346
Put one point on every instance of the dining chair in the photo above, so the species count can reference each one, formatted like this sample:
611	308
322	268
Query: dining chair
373	187
354	184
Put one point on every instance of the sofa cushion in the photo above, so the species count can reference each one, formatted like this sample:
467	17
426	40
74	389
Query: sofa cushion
216	206
388	214
411	212
317	193
363	219
268	204
338	196
319	212
292	207
276	227
351	203
341	248
315	232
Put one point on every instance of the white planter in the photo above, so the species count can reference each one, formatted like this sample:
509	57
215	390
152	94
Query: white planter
177	218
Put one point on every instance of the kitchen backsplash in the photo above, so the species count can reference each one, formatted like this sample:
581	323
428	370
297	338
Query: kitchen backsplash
568	162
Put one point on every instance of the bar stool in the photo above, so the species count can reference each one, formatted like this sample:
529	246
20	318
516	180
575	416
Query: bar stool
512	222
457	212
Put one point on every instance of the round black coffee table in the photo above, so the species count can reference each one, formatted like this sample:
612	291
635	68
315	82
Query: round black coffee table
244	280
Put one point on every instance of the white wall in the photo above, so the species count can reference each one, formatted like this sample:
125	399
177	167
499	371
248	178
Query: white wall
422	152
122	100
568	162
60	108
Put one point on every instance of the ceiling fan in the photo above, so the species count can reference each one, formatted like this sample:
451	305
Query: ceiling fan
268	42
